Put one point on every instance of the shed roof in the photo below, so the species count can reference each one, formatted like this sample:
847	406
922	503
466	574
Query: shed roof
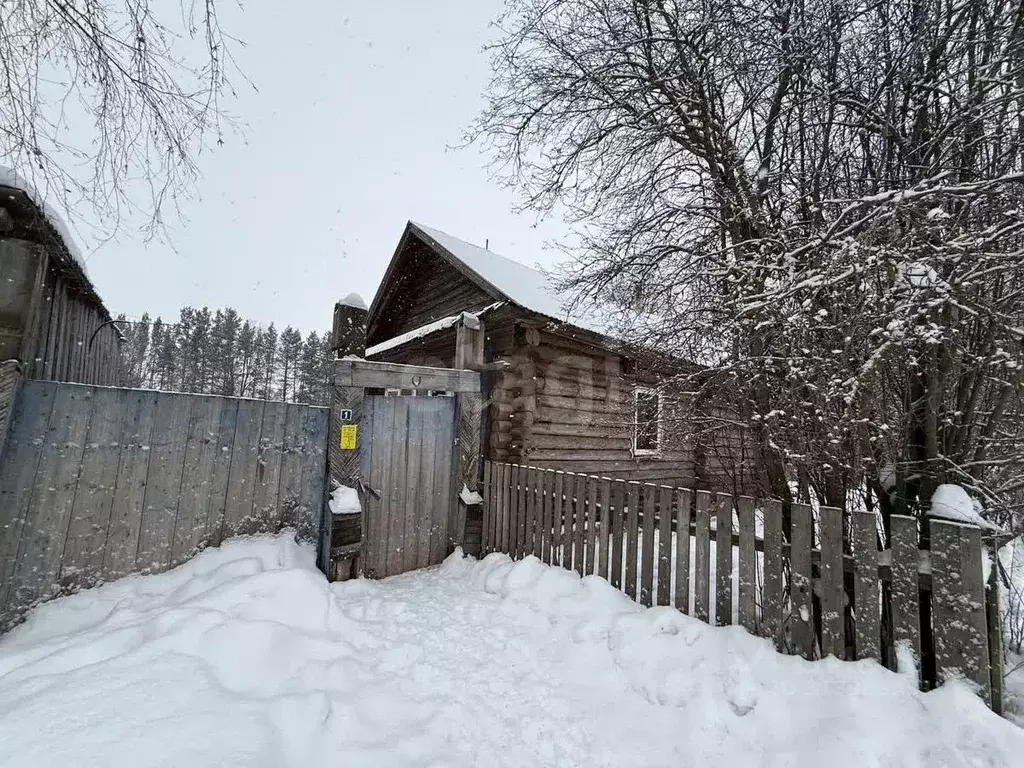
41	222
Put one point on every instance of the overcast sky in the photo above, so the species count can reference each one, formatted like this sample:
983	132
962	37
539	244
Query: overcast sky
347	138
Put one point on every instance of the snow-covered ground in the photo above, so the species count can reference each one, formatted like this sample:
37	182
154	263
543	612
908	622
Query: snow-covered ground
246	656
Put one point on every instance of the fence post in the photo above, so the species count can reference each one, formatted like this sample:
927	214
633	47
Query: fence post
958	610
467	528
344	465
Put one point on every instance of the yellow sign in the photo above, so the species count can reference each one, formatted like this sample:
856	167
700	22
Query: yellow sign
349	434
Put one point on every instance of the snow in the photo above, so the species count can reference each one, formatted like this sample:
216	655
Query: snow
246	656
345	501
353	300
529	288
11	178
951	502
426	330
469	497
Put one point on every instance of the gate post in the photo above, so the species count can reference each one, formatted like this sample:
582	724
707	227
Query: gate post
467	527
348	337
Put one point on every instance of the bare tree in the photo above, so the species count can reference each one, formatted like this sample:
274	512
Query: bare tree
102	95
819	201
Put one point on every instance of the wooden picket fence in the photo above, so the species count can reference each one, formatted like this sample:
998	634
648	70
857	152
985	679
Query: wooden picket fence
822	588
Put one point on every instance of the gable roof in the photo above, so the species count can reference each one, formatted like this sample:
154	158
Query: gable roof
501	278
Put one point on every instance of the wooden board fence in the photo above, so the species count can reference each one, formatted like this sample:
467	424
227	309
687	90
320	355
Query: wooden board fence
674	546
97	483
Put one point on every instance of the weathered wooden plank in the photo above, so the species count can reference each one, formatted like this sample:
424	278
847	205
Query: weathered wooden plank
993	616
515	512
163	483
220	474
865	550
618	488
547	483
591	542
496	507
958	604
801	581
130	484
532	537
664	579
632	538
748	563
521	542
506	507
267	509
906	607
579	519
702	558
395	492
28	433
50	353
49	512
565	525
316	523
379	375
647	553
377	420
488	511
557	491
774	590
833	595
82	563
238	512
425	517
420	421
446	467
604	527
193	515
723	560
563	486
384	415
684	504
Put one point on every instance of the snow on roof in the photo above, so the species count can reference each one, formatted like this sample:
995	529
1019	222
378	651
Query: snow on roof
528	287
424	330
11	178
353	300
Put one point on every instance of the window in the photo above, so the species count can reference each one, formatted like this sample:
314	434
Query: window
647	421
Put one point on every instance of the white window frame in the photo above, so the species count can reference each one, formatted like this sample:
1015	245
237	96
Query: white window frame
637	391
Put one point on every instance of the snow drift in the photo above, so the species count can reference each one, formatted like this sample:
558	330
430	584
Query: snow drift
246	656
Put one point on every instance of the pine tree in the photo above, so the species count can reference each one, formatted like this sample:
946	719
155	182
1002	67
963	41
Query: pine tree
291	348
268	361
246	360
307	373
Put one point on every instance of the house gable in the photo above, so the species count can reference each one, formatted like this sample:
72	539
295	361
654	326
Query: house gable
421	287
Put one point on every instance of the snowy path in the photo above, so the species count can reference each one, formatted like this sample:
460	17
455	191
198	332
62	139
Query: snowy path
246	657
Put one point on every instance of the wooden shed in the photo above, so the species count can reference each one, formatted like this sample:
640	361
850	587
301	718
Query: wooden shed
51	318
560	393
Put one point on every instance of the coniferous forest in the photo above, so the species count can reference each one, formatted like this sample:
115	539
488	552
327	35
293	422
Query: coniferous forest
220	353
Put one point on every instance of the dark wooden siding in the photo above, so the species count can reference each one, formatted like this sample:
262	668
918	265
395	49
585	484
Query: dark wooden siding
426	288
51	321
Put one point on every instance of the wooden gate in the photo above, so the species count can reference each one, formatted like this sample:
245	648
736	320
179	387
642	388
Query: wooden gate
409	476
408	438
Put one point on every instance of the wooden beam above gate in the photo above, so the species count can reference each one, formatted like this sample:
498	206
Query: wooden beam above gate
367	374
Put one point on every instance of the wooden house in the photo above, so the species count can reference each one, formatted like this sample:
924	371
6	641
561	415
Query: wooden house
560	393
51	318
